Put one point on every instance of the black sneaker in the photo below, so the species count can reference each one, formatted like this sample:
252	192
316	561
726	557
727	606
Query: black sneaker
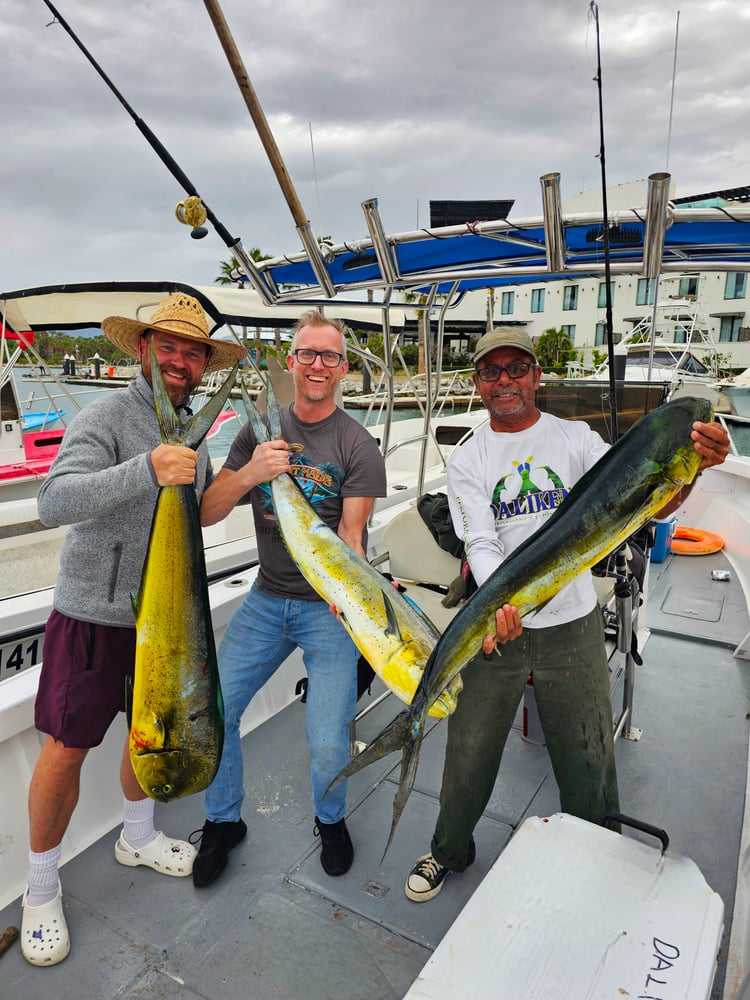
217	840
336	851
425	879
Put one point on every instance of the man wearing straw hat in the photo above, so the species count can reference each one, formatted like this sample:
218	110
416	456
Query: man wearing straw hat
104	484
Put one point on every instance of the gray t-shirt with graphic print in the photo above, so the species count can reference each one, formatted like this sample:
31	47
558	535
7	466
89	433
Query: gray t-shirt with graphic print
339	458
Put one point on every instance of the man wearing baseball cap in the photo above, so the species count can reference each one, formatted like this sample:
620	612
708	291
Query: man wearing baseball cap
503	483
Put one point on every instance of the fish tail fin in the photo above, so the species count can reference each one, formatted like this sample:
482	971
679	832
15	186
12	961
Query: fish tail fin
200	423
273	412
394	737
196	428
169	422
404	733
254	418
409	764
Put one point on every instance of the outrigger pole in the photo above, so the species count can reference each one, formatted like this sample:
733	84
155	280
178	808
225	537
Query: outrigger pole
233	243
304	229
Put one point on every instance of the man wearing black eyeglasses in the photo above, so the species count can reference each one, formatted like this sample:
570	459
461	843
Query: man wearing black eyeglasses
502	484
341	471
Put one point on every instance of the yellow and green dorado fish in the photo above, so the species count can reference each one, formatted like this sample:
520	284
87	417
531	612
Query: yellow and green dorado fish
626	488
393	635
175	709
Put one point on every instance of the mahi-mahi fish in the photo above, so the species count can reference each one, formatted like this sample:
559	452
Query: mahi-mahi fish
638	476
393	635
175	708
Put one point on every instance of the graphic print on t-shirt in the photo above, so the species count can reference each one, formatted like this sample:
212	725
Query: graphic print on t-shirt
527	491
317	482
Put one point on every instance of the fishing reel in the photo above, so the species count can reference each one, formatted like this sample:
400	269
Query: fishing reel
191	212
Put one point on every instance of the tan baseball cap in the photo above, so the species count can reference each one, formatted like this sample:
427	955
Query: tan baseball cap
504	336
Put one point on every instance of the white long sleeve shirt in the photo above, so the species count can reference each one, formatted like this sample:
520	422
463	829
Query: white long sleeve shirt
503	486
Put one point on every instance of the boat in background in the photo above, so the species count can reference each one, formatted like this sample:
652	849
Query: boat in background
27	446
673	348
737	390
34	421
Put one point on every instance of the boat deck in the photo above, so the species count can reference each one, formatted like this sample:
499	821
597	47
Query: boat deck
275	927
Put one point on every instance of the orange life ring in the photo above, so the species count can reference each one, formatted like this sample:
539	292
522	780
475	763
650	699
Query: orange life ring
695	542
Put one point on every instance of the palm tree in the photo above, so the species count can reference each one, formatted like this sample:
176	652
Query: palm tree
554	348
231	274
231	271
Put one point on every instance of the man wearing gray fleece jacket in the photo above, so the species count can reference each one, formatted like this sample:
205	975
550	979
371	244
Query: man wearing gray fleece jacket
104	484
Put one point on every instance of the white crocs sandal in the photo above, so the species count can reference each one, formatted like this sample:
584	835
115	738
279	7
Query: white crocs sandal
170	857
44	932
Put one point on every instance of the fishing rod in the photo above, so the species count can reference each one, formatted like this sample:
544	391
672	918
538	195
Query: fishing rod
605	238
193	211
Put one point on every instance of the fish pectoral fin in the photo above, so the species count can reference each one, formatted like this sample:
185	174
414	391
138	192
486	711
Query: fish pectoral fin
392	626
129	700
160	731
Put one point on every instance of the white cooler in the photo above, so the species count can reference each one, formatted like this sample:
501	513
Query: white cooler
573	911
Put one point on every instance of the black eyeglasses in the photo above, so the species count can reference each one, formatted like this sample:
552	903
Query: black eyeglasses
516	369
306	356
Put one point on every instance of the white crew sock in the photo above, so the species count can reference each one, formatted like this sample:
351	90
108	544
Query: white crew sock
138	822
43	876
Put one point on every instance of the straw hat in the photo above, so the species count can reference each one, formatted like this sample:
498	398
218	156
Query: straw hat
180	315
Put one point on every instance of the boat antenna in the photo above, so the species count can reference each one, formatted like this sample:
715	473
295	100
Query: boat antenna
193	207
671	98
613	431
315	172
655	281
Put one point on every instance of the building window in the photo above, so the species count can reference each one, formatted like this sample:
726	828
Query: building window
688	286
537	300
644	295
600	334
602	303
729	331
569	330
506	303
570	297
735	285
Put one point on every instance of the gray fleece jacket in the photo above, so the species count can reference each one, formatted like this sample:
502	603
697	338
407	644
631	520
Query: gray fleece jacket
102	485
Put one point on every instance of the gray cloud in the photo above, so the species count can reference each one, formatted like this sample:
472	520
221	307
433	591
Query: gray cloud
407	100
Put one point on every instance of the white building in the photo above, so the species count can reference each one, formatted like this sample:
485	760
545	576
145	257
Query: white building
709	308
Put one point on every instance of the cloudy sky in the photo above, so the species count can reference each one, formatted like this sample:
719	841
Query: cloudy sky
403	100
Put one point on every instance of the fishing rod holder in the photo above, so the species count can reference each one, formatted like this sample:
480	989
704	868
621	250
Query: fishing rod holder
657	202
553	227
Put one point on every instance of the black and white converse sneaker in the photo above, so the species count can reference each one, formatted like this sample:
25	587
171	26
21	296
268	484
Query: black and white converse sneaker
425	879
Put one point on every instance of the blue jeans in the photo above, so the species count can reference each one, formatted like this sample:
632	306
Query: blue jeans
260	636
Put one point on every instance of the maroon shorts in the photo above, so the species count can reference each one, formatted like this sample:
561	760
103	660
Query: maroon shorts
82	682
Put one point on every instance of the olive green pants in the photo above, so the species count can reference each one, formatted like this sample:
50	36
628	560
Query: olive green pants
571	681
